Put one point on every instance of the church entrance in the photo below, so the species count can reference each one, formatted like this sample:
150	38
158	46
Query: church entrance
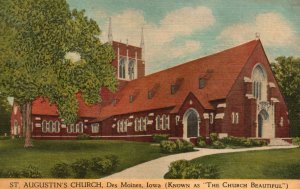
191	123
264	126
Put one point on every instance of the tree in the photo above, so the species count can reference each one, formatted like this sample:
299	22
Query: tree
36	39
5	110
287	73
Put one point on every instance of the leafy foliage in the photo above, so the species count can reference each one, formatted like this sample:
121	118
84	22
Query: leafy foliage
35	37
287	73
5	110
83	137
80	167
168	146
183	169
60	170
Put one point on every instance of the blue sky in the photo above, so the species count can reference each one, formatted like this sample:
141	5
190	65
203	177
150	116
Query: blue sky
177	31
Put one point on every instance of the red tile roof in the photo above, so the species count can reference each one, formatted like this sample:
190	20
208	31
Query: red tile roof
220	69
42	107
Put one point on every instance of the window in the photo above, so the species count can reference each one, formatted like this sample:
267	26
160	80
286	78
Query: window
57	126
44	126
158	125
140	124
118	126
145	123
136	126
95	128
164	122
131	98
80	127
173	89
131	69
211	118
259	84
150	94
48	127
72	128
234	118
167	122
125	125
122	68
201	83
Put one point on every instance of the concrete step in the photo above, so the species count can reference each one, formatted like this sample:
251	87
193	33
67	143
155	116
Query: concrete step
279	142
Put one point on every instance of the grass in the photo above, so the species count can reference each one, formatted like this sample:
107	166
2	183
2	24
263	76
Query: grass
267	164
47	153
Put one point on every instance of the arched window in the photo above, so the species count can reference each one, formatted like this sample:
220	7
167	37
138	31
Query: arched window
57	126
122	68
44	126
50	126
145	123
167	121
236	118
118	126
80	127
53	127
131	69
259	84
140	124
72	128
158	125
125	125
121	126
232	118
136	126
164	125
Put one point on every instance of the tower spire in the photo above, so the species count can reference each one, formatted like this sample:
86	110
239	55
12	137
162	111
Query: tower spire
110	36
142	44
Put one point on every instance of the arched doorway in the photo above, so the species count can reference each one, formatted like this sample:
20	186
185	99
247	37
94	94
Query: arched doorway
264	129
191	122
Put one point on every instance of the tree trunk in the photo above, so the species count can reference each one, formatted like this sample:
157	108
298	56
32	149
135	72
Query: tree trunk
23	120
28	123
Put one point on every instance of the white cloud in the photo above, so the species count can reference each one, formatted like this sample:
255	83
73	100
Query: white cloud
159	37
274	31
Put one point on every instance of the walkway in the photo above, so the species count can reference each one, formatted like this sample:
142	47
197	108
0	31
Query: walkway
157	168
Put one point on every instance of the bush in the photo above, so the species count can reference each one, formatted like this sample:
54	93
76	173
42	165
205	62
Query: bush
213	137
4	137
101	165
296	141
167	146
60	170
80	167
10	173
160	137
184	146
114	160
201	142
31	172
83	137
241	141
218	145
183	169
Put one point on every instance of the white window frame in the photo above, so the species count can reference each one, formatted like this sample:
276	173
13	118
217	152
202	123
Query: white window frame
168	122
232	118
44	126
80	127
236	118
57	126
136	128
125	124
95	127
158	126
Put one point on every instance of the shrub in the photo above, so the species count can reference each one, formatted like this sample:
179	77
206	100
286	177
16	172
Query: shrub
11	173
83	137
80	167
183	169
167	146
218	145
296	141
60	170
31	172
101	165
213	137
241	141
176	168
184	146
160	137
201	142
114	160
4	137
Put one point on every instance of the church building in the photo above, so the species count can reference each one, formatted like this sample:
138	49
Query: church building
232	93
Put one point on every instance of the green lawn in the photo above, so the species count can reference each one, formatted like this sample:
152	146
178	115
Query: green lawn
46	153
267	164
